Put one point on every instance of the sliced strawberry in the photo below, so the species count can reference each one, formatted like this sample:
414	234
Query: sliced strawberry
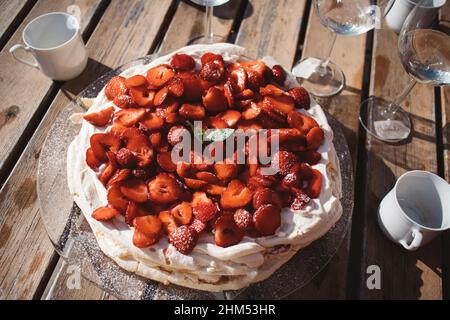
231	117
284	161
267	219
301	122
168	221
126	158
101	118
198	226
214	100
131	213
216	123
315	138
164	189
91	160
136	81
115	87
236	196
159	75
293	178
104	213
152	121
243	219
229	93
301	97
283	104
300	201
140	145
176	134
226	232
311	157
118	129
124	101
245	95
192	111
225	171
192	87
245	125
212	71
266	196
205	211
103	142
110	169
143	174
314	184
183	169
161	96
271	90
182	213
208	177
142	240
142	96
129	117
184	239
116	198
209	57
148	225
195	184
214	189
237	76
135	190
255	80
278	74
164	160
200	197
251	112
182	62
175	87
119	176
261	181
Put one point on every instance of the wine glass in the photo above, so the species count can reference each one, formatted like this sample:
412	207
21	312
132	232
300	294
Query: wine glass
209	37
321	77
425	55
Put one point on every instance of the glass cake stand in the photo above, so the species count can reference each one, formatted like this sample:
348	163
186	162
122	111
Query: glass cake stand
75	242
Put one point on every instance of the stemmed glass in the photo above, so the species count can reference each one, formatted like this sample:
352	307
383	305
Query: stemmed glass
321	77
209	37
425	55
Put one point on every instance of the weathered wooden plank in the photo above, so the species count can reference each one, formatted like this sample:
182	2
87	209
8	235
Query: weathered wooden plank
10	13
405	275
22	251
127	30
17	109
349	54
188	22
272	28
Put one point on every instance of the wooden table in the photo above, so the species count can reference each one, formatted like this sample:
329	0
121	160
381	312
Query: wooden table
118	31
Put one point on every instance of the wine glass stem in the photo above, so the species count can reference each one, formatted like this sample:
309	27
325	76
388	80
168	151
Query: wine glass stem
209	23
326	62
395	104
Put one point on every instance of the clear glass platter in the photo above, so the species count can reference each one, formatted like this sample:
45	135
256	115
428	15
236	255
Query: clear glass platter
76	244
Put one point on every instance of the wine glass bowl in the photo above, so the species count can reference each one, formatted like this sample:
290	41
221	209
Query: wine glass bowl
425	55
209	37
321	77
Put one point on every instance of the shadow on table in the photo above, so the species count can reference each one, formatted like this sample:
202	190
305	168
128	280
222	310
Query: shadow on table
93	71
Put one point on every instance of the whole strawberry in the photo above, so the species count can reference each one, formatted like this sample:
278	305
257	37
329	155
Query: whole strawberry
278	74
301	97
184	239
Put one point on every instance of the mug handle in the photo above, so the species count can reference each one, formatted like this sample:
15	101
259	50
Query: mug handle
27	49
415	243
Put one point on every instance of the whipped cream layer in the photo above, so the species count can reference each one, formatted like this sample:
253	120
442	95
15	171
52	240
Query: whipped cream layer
209	267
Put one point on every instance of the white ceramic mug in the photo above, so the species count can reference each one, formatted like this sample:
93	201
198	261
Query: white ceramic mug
416	210
398	10
55	41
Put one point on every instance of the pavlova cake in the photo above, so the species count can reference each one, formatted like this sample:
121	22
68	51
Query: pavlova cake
202	224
